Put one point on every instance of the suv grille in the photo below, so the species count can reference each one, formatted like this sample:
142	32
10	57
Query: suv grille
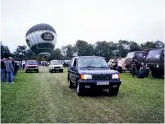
56	67
31	67
102	77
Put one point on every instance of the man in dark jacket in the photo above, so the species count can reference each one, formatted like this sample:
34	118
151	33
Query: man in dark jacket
9	71
2	70
133	67
15	66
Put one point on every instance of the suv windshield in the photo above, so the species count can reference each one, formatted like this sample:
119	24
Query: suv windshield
54	63
31	63
154	54
140	55
94	62
130	55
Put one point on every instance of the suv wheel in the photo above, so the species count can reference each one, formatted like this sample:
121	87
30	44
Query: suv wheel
79	90
156	74
70	84
113	91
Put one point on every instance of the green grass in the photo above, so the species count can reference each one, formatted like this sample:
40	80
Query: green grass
45	97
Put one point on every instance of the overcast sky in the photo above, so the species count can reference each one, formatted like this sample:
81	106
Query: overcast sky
90	20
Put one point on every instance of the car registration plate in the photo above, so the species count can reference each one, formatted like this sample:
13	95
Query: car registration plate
102	83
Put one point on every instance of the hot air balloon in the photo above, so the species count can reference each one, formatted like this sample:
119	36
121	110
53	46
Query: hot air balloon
41	39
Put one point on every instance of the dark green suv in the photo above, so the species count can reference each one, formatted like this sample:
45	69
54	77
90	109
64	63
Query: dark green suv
155	62
138	55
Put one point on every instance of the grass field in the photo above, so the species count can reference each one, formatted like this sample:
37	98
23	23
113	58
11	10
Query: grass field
45	97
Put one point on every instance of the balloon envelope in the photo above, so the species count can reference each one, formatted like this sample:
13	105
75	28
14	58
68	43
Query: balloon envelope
41	39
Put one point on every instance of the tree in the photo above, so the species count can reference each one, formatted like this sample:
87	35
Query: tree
68	51
147	45
20	52
123	48
133	46
104	49
83	48
5	52
56	55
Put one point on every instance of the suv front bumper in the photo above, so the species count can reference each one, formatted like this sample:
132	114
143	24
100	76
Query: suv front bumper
96	84
31	69
56	69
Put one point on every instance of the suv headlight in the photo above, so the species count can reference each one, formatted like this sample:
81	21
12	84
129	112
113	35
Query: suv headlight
115	76
85	76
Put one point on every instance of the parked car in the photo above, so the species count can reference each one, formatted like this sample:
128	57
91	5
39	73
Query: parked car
90	73
55	66
155	62
138	55
31	65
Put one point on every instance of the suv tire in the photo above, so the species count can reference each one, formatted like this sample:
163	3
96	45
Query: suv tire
70	84
156	74
79	90
113	91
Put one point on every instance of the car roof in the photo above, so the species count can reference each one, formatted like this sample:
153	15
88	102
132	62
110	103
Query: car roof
153	49
157	49
54	60
88	57
31	60
136	51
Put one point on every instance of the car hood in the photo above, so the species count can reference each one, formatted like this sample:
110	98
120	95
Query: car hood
98	71
55	66
31	65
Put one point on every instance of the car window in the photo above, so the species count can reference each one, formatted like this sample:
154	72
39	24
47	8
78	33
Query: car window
54	63
31	63
140	55
163	54
130	55
92	62
154	54
75	63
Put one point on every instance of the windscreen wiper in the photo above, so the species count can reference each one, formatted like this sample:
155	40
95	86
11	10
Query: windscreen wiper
89	67
103	67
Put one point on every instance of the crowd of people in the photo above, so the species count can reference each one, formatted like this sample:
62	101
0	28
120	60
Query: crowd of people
136	69
9	69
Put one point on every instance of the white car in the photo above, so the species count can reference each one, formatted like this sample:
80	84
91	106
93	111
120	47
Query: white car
55	66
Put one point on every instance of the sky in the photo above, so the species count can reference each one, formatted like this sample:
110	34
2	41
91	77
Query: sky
89	20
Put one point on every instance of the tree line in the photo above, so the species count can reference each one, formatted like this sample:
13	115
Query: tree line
83	48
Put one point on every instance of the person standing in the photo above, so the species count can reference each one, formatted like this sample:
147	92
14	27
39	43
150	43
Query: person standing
2	70
15	66
119	65
9	71
23	64
133	67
